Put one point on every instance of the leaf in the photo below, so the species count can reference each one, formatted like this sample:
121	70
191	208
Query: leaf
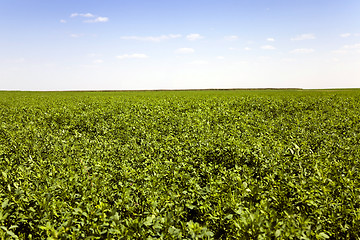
12	234
5	203
149	221
323	235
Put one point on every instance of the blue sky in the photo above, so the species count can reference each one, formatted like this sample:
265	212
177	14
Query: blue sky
157	44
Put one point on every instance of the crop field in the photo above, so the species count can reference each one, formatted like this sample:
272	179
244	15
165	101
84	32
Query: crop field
230	164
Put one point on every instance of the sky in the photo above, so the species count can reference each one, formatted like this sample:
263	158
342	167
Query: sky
179	44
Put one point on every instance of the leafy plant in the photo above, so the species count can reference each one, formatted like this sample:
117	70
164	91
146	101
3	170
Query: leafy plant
180	165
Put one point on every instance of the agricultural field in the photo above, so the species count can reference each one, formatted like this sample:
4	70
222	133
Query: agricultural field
231	164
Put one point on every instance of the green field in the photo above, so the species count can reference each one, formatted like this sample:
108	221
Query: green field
180	165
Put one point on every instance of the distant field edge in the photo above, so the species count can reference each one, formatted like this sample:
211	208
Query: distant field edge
189	89
155	90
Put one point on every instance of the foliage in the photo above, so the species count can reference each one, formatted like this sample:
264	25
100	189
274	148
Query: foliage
180	165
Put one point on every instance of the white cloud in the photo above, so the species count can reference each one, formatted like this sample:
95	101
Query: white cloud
220	57
306	36
98	19
86	15
354	46
270	39
184	50
93	18
132	56
345	35
151	38
348	48
268	47
247	49
63	21
194	36
302	50
231	38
